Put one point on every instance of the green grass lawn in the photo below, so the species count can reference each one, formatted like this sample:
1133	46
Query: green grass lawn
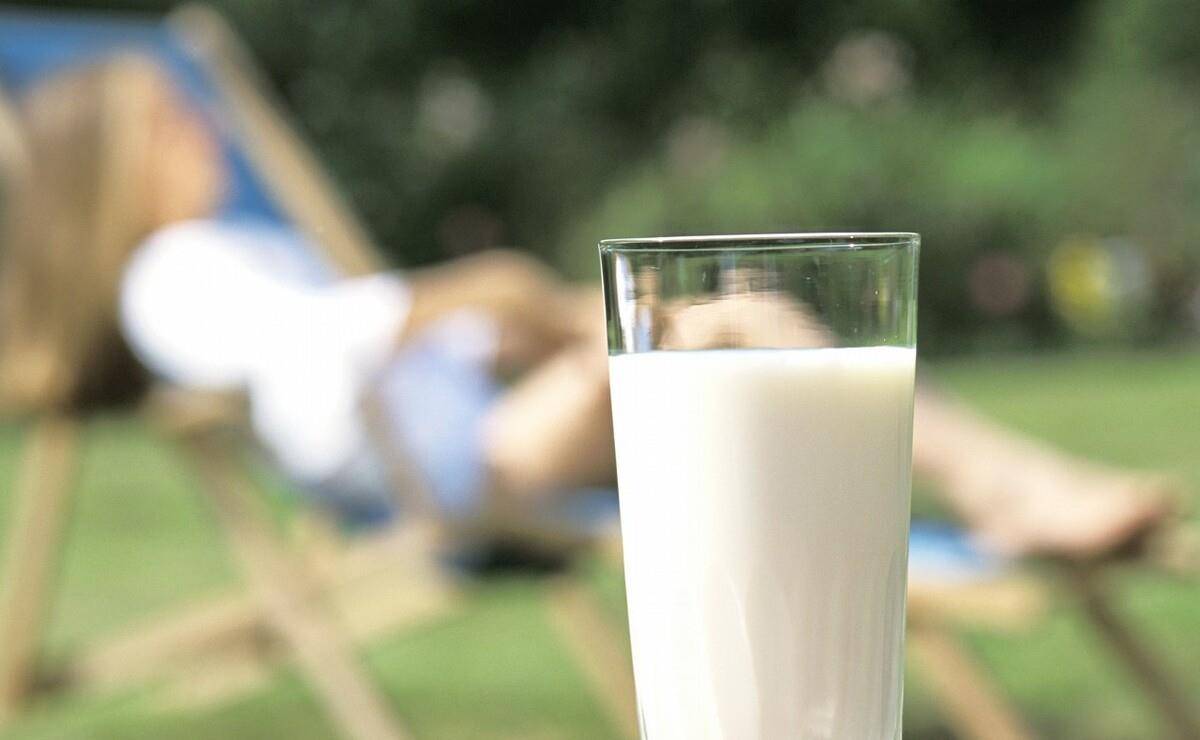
141	541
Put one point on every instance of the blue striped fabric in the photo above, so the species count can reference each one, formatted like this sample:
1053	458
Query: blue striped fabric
34	45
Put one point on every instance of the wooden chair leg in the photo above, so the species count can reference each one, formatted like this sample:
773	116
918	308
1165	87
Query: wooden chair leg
41	507
1180	715
598	649
374	586
974	705
321	650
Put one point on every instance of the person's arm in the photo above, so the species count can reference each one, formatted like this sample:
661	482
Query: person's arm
536	313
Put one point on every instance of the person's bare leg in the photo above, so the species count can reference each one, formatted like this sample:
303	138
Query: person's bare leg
1023	496
552	431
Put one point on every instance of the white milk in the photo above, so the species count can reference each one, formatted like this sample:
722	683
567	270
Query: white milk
764	509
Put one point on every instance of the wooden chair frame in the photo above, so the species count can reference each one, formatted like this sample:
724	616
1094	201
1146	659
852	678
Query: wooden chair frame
281	590
292	608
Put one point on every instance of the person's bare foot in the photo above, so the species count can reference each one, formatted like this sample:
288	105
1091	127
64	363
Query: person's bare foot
1042	503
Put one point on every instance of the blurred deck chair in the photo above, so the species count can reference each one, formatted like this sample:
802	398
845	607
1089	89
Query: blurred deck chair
286	600
314	605
954	584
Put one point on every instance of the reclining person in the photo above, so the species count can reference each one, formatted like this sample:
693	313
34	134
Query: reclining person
118	268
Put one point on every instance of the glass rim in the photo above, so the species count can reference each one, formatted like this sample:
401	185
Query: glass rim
831	240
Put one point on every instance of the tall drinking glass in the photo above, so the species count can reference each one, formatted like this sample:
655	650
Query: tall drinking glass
762	391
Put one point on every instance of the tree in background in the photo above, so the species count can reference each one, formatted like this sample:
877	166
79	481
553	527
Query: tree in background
1001	129
1071	211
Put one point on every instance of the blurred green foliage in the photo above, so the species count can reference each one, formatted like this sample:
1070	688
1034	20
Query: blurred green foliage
999	129
1109	163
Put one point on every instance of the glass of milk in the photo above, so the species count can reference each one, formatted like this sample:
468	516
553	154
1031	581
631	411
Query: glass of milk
762	391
